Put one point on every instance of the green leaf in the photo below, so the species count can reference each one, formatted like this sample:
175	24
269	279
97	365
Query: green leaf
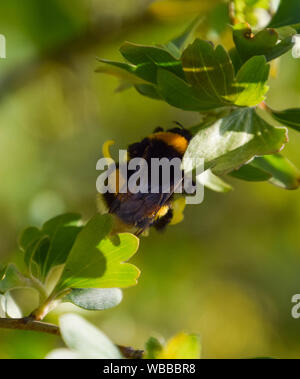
211	74
153	56
85	339
50	246
275	168
289	117
139	74
28	236
94	298
34	252
148	90
38	256
250	83
153	348
288	13
283	173
269	42
281	48
96	261
234	140
63	231
249	44
11	277
209	71
67	219
182	346
203	79
250	173
213	182
179	94
176	45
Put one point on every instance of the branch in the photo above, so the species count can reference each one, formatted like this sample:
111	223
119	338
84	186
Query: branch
43	327
29	324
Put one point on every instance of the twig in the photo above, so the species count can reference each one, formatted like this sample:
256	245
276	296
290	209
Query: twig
43	327
131	353
29	324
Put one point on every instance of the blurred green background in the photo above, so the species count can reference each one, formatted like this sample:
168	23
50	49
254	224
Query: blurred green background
228	272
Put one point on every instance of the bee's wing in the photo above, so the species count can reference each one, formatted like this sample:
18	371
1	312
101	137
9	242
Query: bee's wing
165	197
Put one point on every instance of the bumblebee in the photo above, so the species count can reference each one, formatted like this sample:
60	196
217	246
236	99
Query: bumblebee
136	212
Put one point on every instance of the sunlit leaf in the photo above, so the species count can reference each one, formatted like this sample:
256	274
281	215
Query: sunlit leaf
211	74
275	168
182	346
97	261
234	140
85	339
209	71
250	83
283	173
94	298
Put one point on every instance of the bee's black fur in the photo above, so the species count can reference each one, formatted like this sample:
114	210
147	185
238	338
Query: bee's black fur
139	209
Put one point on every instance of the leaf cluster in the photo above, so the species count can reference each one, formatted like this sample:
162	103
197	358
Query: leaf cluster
70	262
228	89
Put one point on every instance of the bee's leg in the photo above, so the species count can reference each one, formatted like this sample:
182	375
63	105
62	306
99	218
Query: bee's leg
158	129
179	124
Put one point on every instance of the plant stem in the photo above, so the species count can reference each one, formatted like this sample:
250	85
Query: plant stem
29	324
50	303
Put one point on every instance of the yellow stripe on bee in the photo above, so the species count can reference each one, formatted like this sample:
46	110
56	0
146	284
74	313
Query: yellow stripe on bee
162	211
178	142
